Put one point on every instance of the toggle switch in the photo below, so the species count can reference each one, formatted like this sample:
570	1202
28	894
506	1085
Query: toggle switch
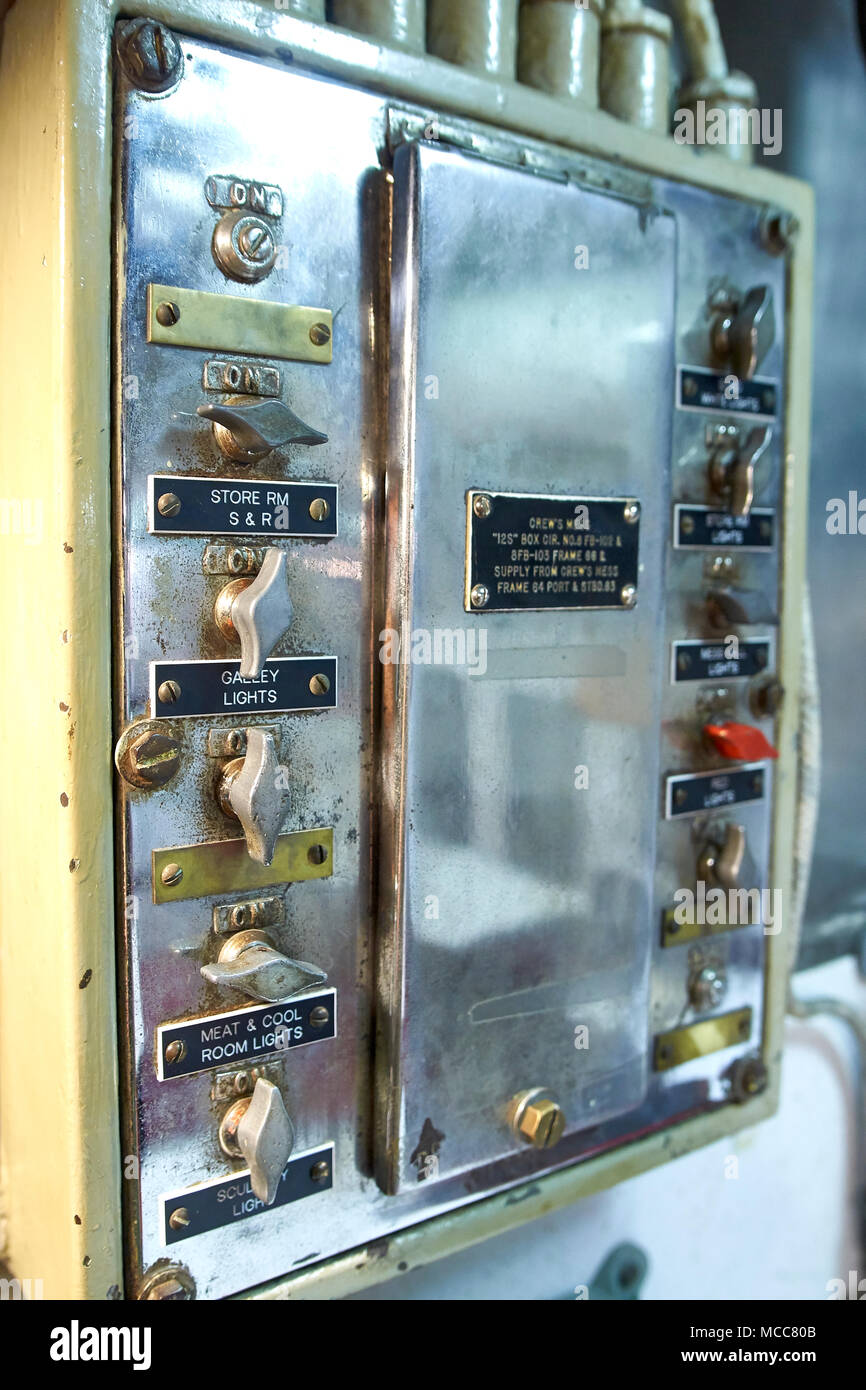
257	612
727	606
721	861
247	433
260	1131
251	789
249	963
740	742
743	330
732	470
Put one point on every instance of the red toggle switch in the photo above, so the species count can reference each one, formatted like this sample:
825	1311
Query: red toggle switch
741	742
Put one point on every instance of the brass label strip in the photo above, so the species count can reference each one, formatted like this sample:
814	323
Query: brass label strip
199	319
699	1039
224	866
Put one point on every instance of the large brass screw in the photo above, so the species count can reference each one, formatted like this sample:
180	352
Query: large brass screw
537	1118
147	757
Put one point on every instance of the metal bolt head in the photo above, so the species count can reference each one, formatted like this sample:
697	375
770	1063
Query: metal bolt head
320	334
479	596
168	504
319	684
319	1017
320	1171
482	506
778	231
537	1118
747	1077
631	512
319	509
169	692
150	55
171	875
244	247
179	1219
167	1281
628	596
256	241
147	755
154	758
167	314
175	1051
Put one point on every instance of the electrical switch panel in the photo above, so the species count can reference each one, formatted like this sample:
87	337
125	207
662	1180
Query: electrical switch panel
449	512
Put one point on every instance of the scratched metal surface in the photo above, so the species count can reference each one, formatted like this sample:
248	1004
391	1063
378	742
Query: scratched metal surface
323	144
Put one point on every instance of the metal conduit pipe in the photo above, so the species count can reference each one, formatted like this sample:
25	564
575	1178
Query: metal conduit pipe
713	87
560	48
397	22
477	34
635	64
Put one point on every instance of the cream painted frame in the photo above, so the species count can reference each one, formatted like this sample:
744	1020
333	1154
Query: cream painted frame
61	1167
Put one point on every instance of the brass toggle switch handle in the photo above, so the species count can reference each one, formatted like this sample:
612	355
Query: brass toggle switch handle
744	332
249	963
733	476
752	332
247	433
251	789
739	607
260	1131
722	864
256	612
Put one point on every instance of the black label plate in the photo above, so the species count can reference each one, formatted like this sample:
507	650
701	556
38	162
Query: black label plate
694	660
228	507
244	1035
688	793
226	1200
699	389
550	552
217	687
707	528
